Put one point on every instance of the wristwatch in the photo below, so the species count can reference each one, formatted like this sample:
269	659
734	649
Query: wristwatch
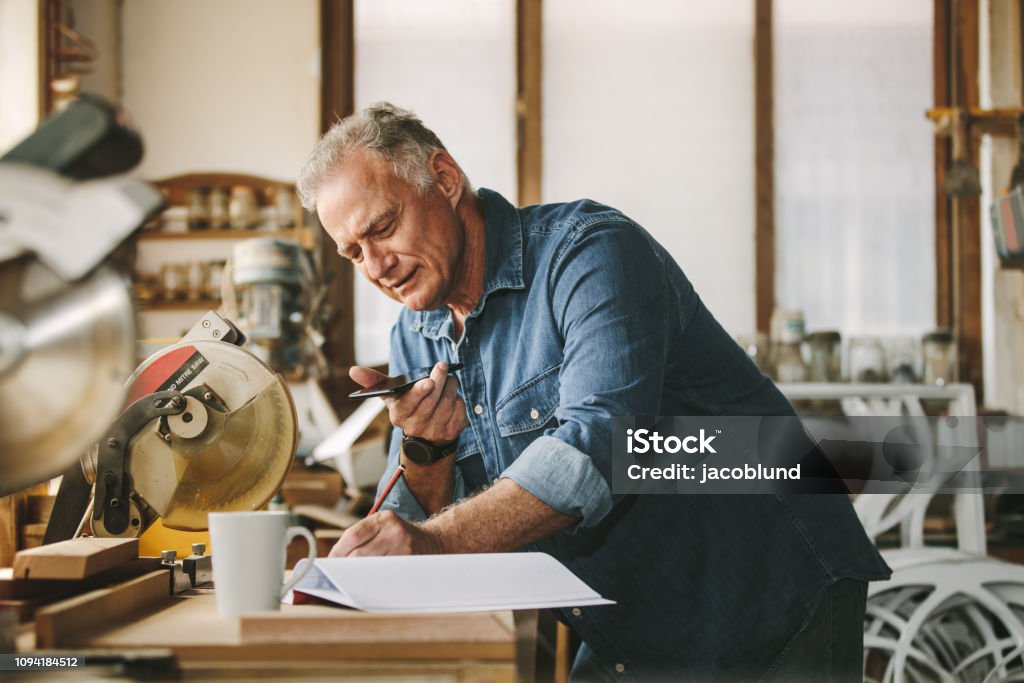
423	452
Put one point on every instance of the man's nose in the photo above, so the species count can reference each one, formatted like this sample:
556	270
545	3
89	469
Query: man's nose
378	263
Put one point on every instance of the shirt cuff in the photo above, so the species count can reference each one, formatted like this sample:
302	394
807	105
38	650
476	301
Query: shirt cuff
405	505
564	478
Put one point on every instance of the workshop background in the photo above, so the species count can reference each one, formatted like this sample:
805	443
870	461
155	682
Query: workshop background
839	180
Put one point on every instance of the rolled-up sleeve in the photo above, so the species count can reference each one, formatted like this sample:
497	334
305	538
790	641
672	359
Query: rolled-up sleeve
564	478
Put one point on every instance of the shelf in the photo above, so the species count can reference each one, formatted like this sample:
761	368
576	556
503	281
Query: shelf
300	235
997	122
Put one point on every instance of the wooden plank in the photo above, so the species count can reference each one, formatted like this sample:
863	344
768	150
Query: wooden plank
74	559
764	166
73	621
10	520
958	220
337	100
968	245
32	535
941	68
189	625
319	513
25	589
529	110
38	508
337	55
363	628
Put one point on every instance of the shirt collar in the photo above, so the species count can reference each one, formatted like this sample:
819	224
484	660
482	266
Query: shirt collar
503	264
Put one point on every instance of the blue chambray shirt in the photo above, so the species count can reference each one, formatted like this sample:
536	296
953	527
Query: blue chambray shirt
584	316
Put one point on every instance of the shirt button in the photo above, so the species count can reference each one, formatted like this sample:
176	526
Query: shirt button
620	668
534	414
455	347
478	409
576	611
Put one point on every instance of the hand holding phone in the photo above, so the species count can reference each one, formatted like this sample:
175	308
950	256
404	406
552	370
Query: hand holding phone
399	383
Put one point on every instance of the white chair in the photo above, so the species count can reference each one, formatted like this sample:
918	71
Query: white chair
947	614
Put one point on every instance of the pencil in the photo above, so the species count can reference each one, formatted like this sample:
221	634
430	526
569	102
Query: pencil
387	488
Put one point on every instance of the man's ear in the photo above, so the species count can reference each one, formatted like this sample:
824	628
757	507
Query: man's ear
447	175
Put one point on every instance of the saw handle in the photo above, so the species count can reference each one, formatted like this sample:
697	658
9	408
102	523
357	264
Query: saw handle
110	499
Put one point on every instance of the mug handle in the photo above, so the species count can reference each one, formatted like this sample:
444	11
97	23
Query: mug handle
297	575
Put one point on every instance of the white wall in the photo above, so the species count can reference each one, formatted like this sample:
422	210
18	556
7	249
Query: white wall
226	86
648	107
19	70
231	85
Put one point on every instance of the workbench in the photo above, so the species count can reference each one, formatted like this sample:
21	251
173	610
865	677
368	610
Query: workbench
301	641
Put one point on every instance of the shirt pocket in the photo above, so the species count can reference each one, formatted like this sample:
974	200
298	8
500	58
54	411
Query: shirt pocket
529	407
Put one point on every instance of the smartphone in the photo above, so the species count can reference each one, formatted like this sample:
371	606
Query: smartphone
399	383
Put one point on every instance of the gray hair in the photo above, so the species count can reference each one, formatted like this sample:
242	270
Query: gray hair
395	134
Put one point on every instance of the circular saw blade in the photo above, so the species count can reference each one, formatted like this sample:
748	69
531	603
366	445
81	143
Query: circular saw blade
241	456
76	344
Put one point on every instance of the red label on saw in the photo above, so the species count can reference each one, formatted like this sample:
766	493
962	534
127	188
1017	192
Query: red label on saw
174	370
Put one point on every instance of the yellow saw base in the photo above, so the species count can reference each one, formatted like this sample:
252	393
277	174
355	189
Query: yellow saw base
158	537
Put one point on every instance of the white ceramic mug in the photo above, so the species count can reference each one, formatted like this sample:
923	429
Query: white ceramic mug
248	550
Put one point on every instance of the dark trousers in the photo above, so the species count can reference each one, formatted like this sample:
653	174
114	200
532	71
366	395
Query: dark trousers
827	648
830	646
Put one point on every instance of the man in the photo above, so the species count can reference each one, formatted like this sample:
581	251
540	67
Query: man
564	316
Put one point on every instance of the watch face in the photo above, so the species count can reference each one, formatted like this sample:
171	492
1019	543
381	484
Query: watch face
418	451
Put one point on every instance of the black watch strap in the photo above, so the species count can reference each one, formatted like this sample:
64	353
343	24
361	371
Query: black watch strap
423	452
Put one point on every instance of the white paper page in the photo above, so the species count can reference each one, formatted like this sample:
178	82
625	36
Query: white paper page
450	583
316	583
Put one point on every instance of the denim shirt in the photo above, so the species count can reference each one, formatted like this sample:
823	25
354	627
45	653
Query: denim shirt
584	316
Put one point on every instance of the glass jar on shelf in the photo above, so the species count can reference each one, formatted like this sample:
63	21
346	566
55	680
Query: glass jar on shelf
215	279
243	211
867	360
220	212
787	360
196	202
284	207
939	358
173	281
901	360
825	350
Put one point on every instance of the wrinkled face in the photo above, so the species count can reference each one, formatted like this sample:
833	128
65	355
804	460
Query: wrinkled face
409	245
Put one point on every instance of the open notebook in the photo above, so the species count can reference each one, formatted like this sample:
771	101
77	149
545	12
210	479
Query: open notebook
444	583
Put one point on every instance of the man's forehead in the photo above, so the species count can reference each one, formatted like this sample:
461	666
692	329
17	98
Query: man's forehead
359	192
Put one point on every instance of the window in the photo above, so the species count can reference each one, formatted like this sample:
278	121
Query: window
855	236
452	63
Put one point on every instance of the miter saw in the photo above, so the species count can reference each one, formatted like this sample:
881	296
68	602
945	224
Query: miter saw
208	427
201	425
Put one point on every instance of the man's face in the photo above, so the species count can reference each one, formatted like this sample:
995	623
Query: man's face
409	245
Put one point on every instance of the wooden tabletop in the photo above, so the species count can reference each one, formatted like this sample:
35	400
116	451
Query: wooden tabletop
315	639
